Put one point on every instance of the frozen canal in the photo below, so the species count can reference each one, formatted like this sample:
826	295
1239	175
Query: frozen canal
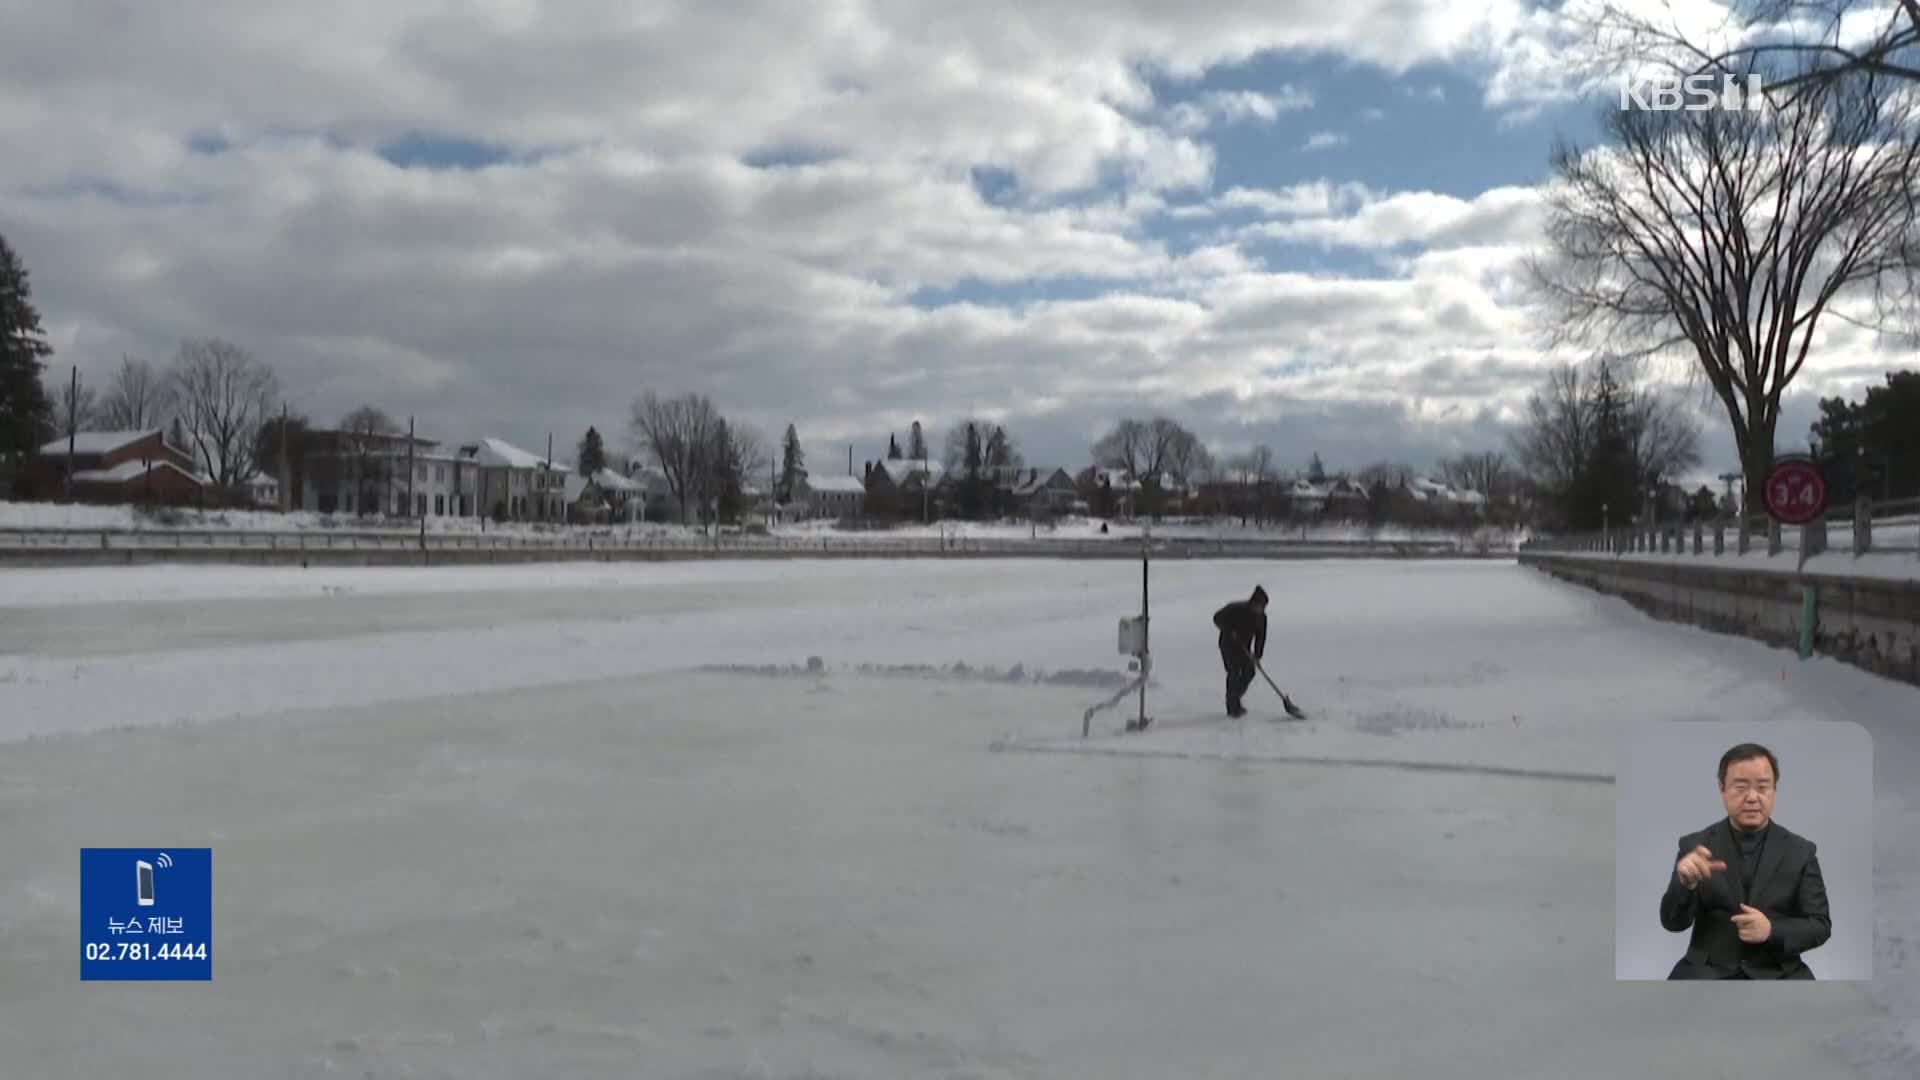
600	821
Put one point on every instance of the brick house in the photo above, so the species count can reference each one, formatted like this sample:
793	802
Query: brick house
119	467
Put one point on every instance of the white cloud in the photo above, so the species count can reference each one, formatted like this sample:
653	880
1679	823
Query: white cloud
624	246
1500	216
1220	108
1317	198
1324	140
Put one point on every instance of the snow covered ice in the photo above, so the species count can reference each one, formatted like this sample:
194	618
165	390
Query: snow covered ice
600	820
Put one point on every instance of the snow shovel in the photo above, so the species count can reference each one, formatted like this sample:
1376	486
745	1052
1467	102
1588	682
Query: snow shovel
1292	710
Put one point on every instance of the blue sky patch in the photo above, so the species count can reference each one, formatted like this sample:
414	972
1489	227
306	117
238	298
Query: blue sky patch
786	155
421	150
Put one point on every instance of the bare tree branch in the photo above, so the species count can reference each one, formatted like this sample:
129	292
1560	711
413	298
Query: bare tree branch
224	394
678	436
1730	234
136	397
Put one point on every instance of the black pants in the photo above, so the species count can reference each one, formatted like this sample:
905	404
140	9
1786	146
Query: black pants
1234	654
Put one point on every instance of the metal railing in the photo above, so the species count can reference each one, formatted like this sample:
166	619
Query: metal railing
1867	527
588	541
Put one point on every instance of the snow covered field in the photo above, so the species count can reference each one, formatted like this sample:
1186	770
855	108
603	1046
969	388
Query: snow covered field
599	820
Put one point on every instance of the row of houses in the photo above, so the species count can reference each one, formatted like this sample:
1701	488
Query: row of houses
358	473
349	472
913	488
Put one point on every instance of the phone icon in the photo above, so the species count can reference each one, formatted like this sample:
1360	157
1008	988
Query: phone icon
144	871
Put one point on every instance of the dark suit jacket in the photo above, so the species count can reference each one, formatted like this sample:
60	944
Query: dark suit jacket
1787	887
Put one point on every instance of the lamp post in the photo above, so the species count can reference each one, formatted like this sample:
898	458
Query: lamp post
1606	528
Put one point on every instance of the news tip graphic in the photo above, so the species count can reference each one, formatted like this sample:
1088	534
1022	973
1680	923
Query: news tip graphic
146	914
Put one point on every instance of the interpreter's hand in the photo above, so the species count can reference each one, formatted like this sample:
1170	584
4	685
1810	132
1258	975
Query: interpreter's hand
1754	926
1696	866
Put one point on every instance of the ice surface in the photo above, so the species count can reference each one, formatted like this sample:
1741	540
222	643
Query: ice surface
499	823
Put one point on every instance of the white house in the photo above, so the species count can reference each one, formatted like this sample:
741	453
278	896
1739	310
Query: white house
833	496
618	495
263	490
516	484
365	473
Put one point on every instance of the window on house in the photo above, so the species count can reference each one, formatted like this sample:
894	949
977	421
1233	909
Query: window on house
439	506
439	474
421	503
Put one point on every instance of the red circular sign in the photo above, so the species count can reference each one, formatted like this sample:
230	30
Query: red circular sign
1796	492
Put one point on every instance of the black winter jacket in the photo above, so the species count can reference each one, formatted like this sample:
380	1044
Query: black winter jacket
1239	623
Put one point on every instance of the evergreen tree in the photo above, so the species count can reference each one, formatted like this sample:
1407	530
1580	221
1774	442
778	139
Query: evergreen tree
917	443
893	449
727	482
792	464
973	482
1316	472
1611	489
592	453
26	413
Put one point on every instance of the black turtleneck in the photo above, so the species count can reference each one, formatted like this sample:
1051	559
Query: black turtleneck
1752	843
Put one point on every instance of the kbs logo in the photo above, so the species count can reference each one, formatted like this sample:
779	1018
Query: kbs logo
1695	93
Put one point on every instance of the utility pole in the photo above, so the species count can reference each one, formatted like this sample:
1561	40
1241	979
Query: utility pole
73	425
409	512
546	476
286	469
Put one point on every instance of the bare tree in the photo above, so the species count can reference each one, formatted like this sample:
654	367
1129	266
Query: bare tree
368	443
1555	441
1142	449
1797	46
1730	234
1384	474
75	412
1488	472
746	452
224	394
1256	465
136	397
1188	459
1663	433
998	450
677	434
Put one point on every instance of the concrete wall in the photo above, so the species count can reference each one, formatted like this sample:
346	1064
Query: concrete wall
1873	623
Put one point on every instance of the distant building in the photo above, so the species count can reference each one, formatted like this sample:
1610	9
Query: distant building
832	496
119	467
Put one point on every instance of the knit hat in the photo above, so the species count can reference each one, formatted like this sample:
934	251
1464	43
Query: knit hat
1259	595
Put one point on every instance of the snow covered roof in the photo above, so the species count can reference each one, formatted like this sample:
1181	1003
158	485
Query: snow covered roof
97	442
1303	490
912	468
575	485
837	485
501	453
132	470
613	481
1037	479
1115	478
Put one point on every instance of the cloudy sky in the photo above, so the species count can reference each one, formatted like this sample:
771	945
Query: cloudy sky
1279	221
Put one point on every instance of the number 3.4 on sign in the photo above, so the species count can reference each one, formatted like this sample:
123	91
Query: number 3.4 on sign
146	914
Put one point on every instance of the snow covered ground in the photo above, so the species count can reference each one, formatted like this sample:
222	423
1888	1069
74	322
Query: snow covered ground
602	820
1889	565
